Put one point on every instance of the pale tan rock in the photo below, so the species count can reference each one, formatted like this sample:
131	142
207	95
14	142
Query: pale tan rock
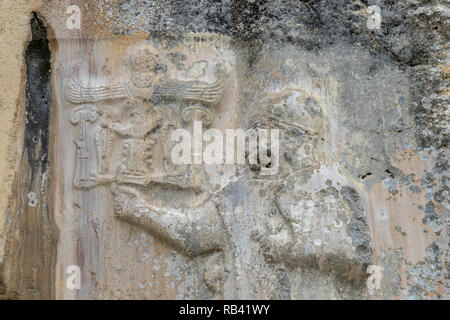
349	194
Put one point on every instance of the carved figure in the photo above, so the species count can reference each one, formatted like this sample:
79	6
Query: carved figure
135	127
304	228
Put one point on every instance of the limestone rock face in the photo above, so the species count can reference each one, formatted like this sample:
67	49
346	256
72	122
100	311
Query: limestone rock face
225	150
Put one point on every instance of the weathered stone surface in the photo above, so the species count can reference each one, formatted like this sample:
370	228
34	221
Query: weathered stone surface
358	183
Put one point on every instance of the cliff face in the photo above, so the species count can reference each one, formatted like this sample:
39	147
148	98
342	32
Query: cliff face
101	198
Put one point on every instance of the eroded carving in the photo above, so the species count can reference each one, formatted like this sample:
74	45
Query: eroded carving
127	148
144	94
304	228
83	165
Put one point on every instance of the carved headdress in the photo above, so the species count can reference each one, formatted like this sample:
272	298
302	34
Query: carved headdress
301	120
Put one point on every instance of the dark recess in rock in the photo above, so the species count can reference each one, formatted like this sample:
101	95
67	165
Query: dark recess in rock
37	58
31	238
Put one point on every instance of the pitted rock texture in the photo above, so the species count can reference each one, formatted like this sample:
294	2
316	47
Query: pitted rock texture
359	180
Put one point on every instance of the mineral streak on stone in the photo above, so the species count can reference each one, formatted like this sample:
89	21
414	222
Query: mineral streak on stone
362	172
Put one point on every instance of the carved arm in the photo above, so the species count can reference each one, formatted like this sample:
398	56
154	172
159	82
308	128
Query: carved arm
191	231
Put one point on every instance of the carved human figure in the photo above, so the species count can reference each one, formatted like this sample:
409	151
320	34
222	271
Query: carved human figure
323	229
134	134
191	223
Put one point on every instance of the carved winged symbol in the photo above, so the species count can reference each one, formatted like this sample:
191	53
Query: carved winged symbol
189	91
168	89
77	93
